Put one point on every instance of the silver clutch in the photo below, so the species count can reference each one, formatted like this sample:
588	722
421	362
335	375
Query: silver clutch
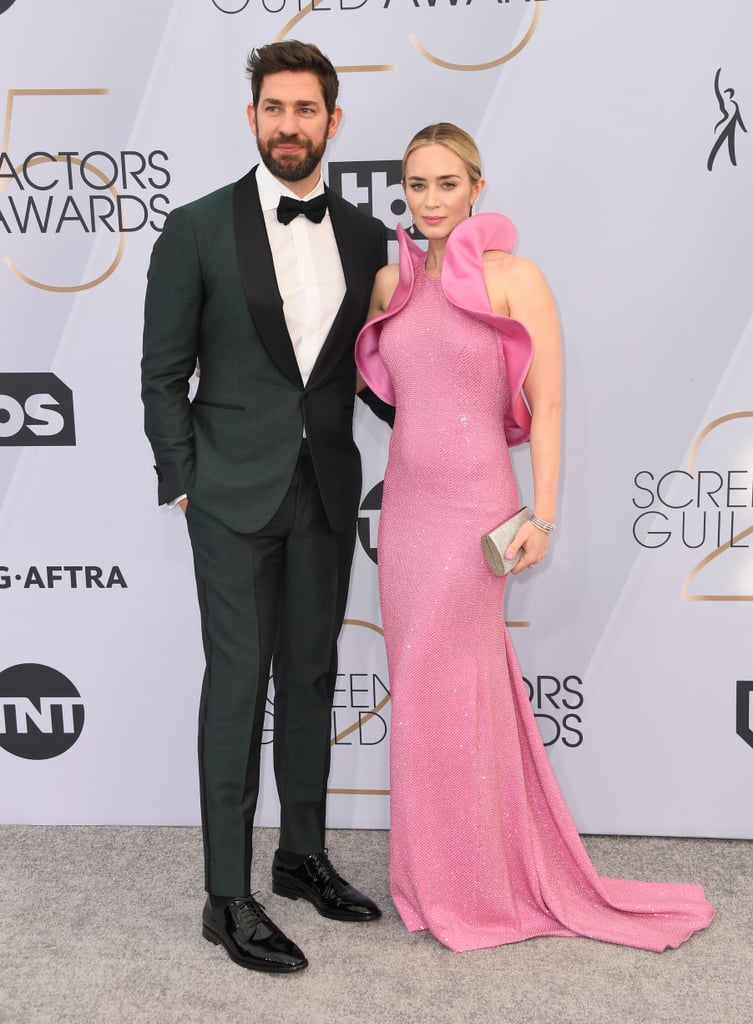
497	542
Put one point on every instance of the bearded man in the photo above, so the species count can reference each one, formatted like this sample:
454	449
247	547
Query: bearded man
265	282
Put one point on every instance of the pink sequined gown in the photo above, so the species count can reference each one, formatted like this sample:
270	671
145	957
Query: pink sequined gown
483	848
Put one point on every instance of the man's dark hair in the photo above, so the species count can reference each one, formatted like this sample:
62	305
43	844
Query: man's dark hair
291	55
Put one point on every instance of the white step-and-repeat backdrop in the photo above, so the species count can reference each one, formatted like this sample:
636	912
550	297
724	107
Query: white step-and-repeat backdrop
615	134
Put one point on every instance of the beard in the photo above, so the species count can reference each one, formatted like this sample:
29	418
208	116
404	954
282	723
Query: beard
292	168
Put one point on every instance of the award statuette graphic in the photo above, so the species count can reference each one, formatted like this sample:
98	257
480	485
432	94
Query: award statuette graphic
727	125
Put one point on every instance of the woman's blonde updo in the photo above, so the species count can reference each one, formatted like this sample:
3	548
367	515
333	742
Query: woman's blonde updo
454	138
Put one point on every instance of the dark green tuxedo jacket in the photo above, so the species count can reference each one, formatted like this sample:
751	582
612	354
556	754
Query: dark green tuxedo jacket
212	296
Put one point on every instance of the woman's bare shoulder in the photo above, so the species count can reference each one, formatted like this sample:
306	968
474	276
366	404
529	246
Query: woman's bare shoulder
497	260
385	284
388	275
513	271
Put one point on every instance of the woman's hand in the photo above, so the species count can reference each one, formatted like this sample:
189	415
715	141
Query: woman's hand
534	543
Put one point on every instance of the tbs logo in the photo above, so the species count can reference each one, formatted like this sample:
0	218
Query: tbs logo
35	409
373	186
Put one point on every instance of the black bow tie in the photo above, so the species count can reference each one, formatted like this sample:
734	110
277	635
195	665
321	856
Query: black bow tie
288	209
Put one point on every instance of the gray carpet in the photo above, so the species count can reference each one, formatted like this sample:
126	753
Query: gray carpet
102	926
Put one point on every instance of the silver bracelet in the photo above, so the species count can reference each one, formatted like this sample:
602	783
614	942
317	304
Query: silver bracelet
542	524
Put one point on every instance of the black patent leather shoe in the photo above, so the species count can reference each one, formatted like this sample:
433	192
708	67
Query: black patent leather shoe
250	938
317	881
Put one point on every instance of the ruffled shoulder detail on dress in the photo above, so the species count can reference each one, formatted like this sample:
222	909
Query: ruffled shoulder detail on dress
463	284
368	360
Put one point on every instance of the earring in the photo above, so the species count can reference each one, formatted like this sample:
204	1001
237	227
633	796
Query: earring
412	228
473	208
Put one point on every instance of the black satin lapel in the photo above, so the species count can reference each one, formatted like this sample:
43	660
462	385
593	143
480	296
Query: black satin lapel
346	322
259	280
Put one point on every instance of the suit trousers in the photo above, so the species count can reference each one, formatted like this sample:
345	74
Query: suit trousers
274	596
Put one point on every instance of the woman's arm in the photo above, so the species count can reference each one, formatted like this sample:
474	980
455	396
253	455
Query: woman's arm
529	300
385	284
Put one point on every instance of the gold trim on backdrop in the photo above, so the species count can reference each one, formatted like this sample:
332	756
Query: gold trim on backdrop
68	287
707	430
344	69
12	94
352	728
684	595
383	703
360	792
486	65
341	69
452	66
71	287
365	624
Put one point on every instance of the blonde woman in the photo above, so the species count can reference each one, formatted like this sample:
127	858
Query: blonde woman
464	341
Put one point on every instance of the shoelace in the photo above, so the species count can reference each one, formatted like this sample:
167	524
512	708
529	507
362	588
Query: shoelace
326	871
249	912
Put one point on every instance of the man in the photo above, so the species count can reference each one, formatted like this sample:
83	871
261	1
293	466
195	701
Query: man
267	293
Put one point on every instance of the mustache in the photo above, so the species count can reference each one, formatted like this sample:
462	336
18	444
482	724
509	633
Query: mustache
282	139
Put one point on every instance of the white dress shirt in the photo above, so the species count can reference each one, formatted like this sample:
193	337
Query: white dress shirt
307	267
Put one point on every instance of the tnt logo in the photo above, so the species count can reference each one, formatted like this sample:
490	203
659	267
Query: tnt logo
373	186
368	521
41	712
35	409
745	710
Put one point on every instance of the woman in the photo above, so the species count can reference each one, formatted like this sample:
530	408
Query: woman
483	849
